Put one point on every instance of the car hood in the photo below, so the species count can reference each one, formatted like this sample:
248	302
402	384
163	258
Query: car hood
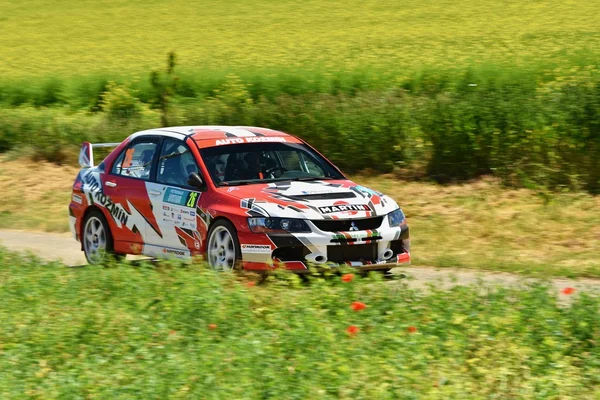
339	199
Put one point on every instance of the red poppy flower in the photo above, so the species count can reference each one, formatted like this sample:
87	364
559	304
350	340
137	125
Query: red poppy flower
353	330
347	277
568	290
358	306
412	329
212	326
172	332
251	284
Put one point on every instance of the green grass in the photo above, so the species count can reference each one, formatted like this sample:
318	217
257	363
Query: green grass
184	332
484	225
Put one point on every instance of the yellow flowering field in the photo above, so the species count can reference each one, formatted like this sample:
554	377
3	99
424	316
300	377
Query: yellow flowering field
65	38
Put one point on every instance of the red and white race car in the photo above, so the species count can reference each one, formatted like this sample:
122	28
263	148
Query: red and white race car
241	196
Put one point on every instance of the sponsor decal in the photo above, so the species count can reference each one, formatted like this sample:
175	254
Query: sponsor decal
197	244
353	226
366	190
96	196
178	216
116	210
252	139
256	248
324	191
179	253
360	236
262	139
181	197
205	217
92	182
344	208
77	198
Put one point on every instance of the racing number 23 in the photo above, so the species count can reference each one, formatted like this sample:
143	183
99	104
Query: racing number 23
191	202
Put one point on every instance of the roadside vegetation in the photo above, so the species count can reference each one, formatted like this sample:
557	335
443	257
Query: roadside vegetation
525	131
168	331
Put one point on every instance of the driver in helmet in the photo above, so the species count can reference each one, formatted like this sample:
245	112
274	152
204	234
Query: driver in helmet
254	170
257	167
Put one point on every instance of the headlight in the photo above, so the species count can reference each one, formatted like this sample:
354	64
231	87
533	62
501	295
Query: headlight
261	225
395	218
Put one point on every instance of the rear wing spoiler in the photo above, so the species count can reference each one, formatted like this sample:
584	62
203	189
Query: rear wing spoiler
86	154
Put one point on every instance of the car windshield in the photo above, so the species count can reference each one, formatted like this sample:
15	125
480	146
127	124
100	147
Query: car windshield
242	164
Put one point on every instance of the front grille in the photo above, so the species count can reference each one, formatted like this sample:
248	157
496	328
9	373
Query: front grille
355	252
344	225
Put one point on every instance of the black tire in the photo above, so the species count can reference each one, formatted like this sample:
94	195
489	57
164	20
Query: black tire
97	240
223	249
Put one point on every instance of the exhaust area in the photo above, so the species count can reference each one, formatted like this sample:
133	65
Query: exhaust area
386	255
316	258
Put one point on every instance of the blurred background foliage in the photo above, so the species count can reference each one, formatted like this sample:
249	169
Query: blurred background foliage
528	130
430	90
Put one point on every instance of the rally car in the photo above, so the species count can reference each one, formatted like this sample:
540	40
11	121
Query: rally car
242	197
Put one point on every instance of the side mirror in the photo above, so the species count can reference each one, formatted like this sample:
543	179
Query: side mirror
195	180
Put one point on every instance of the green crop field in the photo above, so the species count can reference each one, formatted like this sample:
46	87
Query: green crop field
157	332
65	38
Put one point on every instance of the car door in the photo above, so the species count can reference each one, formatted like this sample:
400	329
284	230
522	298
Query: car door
175	201
126	193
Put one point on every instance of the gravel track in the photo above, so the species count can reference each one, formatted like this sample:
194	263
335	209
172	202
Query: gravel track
53	246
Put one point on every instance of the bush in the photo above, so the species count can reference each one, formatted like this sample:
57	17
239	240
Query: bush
119	103
527	129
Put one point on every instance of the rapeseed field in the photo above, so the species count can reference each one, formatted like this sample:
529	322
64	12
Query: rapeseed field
65	38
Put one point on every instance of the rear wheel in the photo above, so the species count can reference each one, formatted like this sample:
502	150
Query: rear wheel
97	239
223	246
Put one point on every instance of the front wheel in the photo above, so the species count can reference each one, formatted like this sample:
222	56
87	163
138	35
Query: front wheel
223	246
97	239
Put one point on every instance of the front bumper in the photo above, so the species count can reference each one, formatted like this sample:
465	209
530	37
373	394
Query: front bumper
374	249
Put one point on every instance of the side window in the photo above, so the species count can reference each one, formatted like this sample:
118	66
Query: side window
216	166
135	161
175	163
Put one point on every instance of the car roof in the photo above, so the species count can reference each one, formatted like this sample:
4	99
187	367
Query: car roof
211	132
216	135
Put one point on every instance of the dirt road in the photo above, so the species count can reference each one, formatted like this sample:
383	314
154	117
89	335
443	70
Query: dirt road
63	247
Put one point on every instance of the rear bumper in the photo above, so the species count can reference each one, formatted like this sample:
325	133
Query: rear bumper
75	220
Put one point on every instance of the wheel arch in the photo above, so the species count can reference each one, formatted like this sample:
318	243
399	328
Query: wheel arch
87	212
212	222
209	230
